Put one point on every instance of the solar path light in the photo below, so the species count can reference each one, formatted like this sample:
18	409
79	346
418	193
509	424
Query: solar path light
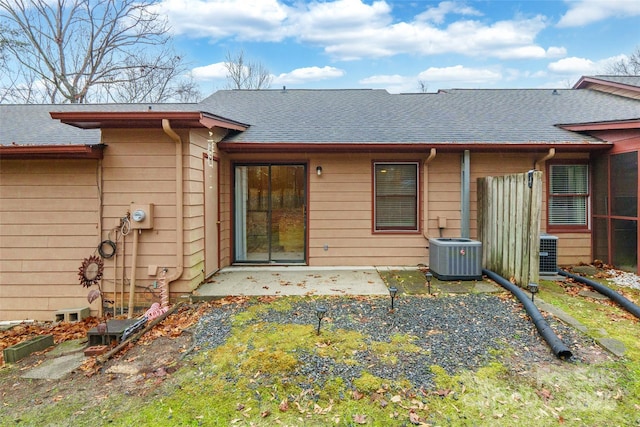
320	312
533	288
393	291
428	276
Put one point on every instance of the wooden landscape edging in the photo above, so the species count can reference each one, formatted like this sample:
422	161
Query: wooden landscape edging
509	211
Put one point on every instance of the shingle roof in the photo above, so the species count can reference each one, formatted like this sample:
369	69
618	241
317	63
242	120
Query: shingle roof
625	80
360	116
375	116
32	124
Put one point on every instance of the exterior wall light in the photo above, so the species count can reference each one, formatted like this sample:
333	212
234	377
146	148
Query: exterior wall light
393	291
319	170
533	288
428	276
320	312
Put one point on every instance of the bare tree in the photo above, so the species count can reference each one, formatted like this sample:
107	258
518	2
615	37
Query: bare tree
8	38
423	86
80	51
160	79
242	74
627	67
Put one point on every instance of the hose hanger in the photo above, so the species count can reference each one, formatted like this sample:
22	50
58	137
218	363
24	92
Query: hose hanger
107	249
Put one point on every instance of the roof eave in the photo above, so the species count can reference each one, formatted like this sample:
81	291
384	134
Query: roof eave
35	152
585	81
611	125
314	147
145	119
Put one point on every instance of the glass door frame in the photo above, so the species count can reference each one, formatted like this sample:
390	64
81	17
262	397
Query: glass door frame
238	232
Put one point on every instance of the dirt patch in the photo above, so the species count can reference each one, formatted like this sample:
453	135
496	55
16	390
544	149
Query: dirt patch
135	371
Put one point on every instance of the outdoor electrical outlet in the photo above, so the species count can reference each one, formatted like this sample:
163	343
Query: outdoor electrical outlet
326	247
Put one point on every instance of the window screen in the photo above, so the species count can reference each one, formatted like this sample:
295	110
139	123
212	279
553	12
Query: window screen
568	195
396	196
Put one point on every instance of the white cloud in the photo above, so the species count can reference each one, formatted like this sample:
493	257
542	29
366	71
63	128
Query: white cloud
378	80
353	29
210	72
556	52
459	74
437	14
456	76
573	65
588	11
308	74
256	20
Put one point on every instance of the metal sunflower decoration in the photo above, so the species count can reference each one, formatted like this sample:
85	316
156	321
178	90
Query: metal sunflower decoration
90	271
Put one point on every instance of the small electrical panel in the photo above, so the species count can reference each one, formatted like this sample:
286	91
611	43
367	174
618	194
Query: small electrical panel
141	216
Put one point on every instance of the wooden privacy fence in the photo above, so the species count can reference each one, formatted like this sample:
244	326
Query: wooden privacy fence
509	225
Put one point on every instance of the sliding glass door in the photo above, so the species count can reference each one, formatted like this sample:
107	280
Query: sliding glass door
270	213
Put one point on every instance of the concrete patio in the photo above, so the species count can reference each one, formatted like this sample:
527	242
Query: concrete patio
294	280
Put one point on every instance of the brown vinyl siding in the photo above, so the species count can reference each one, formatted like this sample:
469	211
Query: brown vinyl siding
49	216
129	176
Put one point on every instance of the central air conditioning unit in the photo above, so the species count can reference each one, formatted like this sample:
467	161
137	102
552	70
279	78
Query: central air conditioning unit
548	254
455	259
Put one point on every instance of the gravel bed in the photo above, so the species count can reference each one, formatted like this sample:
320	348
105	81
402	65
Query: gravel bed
622	278
456	333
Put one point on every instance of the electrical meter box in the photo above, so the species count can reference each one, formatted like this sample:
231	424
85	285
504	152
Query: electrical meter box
141	216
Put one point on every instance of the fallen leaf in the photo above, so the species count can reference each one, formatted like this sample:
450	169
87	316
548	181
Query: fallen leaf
414	418
360	419
443	392
284	405
545	394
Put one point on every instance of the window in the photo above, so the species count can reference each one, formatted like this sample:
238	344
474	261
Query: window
396	196
568	195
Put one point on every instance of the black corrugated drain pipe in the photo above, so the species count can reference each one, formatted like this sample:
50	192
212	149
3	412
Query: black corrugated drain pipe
613	295
557	346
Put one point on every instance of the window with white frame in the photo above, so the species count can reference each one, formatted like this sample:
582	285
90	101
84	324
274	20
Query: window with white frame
568	195
396	196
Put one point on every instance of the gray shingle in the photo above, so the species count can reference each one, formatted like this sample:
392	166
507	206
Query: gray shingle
375	116
625	80
32	124
361	116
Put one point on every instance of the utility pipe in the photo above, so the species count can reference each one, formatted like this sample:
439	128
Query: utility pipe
166	126
134	266
550	155
425	203
465	202
557	346
100	222
604	290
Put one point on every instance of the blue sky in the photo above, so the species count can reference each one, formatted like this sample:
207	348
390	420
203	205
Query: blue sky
394	45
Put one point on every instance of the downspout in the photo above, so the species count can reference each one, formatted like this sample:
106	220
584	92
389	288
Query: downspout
550	155
425	202
166	126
